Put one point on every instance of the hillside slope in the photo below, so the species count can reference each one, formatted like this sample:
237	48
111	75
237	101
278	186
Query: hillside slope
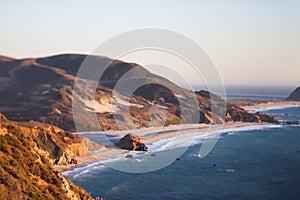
26	172
41	89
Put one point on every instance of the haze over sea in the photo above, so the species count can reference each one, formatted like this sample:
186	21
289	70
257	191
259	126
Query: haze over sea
261	162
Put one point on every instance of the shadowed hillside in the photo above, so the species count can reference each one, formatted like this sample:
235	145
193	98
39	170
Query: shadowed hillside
41	90
295	95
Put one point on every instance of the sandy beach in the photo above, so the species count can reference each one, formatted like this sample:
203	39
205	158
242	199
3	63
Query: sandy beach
270	105
148	136
153	134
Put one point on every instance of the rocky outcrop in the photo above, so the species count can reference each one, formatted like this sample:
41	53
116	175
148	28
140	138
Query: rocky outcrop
61	147
238	114
131	142
295	95
234	113
267	118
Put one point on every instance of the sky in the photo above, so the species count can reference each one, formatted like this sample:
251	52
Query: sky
250	42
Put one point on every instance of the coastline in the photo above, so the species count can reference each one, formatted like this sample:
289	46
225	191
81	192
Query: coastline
151	135
270	105
150	138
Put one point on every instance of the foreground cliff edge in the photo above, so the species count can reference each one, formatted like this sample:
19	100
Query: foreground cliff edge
26	164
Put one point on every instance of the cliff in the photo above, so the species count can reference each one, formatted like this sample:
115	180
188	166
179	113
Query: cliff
26	172
294	96
60	147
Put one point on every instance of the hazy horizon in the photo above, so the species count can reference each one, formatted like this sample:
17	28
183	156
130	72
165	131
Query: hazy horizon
253	42
196	85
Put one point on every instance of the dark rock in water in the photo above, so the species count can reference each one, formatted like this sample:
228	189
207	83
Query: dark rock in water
290	123
129	156
131	142
295	96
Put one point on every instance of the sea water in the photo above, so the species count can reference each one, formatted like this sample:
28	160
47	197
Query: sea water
274	92
259	163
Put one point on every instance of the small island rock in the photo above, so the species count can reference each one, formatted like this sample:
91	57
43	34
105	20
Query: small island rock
131	142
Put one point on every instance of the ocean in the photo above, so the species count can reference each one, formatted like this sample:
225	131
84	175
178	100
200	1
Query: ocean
264	92
254	162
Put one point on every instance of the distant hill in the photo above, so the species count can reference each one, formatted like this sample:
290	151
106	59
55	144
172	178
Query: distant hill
41	89
295	95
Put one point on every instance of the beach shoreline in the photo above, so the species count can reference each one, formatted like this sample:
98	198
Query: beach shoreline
270	105
151	135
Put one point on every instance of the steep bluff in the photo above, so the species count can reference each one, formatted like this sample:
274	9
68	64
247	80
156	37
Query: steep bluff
61	147
26	172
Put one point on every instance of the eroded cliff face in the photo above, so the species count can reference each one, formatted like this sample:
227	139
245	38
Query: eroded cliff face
26	172
61	147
